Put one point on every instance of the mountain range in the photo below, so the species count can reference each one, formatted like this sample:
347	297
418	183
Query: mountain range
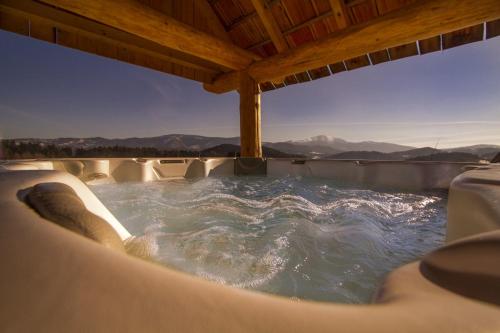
467	154
320	146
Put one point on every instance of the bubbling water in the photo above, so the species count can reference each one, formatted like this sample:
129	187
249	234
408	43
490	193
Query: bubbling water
302	238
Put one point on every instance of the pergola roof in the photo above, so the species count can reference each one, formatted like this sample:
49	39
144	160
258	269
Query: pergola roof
303	21
277	42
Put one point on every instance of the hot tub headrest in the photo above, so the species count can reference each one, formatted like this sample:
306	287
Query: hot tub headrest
58	202
469	267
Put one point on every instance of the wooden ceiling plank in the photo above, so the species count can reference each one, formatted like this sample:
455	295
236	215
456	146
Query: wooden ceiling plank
492	29
357	62
429	45
318	73
362	12
337	67
312	27
379	57
303	77
463	36
240	20
243	19
270	25
403	51
279	85
291	79
140	20
421	20
340	13
296	28
266	86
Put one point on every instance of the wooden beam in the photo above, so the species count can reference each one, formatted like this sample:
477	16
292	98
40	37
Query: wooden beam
140	20
339	12
250	128
421	20
270	25
98	32
224	83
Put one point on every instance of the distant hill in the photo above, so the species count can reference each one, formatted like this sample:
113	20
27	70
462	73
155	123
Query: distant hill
414	153
363	155
395	156
376	155
420	154
234	150
485	151
447	156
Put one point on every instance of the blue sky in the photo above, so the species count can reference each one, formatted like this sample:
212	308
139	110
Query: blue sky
449	98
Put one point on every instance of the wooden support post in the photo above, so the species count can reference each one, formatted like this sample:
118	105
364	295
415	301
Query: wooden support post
250	130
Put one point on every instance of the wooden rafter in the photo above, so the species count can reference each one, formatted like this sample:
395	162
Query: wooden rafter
139	20
270	25
421	20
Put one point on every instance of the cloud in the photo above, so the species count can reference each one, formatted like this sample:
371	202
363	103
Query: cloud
28	123
168	90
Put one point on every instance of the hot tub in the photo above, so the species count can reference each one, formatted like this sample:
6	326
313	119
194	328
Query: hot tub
56	280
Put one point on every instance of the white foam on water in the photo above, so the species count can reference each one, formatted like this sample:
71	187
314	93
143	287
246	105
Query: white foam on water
299	237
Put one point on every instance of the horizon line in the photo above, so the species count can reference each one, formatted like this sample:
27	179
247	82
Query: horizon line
235	137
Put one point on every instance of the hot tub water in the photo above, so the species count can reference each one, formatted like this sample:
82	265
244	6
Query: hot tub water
302	238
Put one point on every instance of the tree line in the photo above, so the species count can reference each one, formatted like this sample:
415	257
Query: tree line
12	149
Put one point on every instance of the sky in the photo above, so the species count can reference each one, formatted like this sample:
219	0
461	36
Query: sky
444	99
